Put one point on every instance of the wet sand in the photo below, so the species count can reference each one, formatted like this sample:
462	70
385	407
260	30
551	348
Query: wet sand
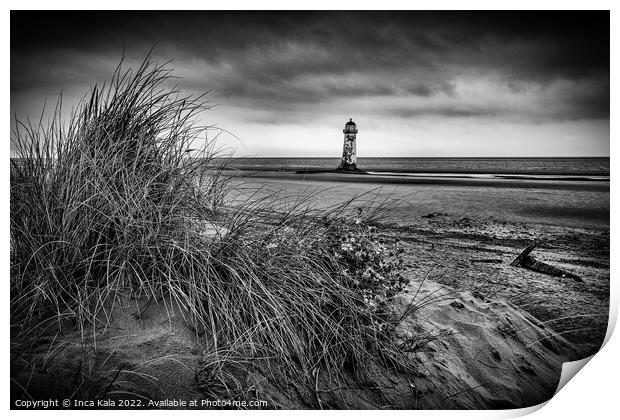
502	181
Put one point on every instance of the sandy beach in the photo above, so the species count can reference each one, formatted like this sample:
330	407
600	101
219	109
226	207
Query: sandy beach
464	234
492	334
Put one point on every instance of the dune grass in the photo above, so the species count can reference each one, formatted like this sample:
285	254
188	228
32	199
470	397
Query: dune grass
120	197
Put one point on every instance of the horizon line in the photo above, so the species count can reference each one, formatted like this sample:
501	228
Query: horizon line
424	157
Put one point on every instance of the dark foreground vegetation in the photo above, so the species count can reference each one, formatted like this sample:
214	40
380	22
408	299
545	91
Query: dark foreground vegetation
120	200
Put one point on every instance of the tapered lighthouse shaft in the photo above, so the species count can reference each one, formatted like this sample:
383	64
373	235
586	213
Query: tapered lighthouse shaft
349	149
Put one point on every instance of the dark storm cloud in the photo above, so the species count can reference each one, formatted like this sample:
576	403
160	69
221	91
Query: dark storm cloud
283	61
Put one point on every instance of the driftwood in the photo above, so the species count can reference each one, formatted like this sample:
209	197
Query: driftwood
523	254
526	261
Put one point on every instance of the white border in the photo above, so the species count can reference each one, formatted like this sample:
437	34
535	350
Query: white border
592	395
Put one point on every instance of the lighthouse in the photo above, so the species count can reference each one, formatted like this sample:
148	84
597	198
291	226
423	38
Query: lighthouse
349	151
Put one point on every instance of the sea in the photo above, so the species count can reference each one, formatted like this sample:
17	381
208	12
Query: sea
594	168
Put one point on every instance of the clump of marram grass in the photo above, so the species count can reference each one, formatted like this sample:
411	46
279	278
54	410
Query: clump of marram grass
114	201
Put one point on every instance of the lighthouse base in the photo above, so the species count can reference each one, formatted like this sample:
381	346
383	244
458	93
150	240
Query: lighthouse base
350	168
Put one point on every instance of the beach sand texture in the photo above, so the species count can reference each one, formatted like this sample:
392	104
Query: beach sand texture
487	335
449	231
472	354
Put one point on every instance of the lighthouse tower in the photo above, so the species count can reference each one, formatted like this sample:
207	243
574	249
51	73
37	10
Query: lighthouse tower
349	151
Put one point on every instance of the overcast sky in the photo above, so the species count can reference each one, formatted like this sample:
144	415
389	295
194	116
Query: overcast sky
416	83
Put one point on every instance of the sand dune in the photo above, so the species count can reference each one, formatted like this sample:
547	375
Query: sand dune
489	354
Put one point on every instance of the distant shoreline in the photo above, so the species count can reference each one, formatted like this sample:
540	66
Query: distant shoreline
430	157
456	167
438	172
556	168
